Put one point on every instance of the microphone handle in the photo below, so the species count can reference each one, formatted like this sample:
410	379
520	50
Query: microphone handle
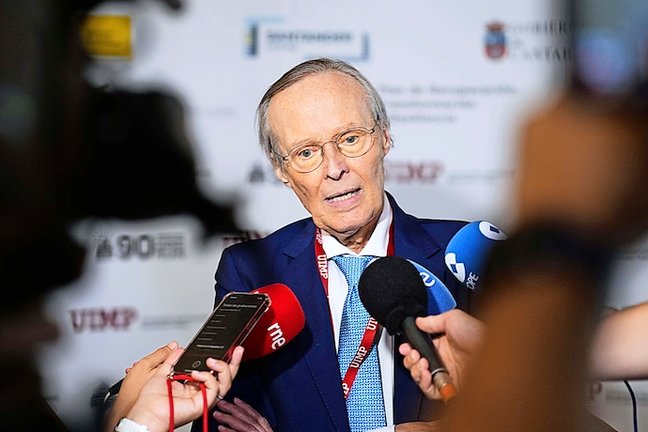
421	342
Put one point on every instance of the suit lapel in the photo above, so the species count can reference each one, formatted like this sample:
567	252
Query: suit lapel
410	239
320	357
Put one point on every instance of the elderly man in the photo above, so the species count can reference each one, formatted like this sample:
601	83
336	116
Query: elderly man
326	133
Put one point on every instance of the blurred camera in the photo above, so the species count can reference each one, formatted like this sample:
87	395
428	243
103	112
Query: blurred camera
609	45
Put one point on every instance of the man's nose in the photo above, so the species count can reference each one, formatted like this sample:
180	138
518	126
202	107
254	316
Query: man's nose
334	162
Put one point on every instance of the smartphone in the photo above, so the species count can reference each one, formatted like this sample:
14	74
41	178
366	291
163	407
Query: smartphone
225	329
609	46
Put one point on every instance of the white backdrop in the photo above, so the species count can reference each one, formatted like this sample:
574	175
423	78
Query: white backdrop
455	107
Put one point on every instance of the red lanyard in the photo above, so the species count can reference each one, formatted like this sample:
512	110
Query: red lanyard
372	329
182	377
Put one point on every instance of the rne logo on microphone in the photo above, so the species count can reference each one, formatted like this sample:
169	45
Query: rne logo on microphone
277	336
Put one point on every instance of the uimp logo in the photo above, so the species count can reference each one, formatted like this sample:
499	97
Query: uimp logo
322	266
421	172
495	40
101	319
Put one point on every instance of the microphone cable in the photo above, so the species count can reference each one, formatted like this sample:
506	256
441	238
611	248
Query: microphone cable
633	399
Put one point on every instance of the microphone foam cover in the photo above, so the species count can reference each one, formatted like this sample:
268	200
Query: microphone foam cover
283	320
391	289
466	252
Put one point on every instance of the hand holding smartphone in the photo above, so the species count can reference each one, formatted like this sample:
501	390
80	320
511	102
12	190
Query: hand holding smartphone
225	329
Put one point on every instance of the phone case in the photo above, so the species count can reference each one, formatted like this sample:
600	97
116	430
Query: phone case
226	328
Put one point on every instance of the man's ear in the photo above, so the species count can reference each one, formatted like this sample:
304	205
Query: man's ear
387	143
281	175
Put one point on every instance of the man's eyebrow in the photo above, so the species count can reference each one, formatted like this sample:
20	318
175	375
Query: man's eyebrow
341	130
304	142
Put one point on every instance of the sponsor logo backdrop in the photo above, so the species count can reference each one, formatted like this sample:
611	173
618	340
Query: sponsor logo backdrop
457	78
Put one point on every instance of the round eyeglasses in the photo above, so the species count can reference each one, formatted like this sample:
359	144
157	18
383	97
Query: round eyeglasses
352	143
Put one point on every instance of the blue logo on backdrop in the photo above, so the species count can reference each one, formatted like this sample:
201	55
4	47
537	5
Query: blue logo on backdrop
271	35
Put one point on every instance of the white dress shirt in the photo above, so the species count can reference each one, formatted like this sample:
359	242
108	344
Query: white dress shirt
337	291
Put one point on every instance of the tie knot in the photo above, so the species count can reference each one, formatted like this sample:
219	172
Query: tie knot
352	267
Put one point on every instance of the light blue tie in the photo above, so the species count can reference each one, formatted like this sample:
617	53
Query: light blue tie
365	404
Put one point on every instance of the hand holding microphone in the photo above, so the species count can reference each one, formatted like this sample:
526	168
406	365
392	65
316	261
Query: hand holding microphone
392	289
460	336
393	293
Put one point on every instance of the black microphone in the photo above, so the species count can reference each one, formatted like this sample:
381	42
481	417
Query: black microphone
392	291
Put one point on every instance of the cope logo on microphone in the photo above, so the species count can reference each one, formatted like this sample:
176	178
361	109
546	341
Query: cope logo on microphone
457	268
467	249
491	231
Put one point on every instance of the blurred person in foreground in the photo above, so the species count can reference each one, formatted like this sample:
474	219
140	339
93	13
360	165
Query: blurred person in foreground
579	198
60	140
325	130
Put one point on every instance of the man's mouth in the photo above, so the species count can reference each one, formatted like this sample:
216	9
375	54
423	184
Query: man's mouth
342	197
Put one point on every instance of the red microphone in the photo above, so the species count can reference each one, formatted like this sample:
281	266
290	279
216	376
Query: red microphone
283	320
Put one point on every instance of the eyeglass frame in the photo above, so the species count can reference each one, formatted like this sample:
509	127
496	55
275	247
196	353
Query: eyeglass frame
286	158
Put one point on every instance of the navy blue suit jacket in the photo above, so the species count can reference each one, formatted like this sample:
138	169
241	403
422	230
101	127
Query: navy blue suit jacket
298	388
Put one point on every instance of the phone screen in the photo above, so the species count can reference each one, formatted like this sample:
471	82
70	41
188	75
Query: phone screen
227	327
609	40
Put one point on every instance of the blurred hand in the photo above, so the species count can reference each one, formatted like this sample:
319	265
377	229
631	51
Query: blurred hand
240	417
587	167
433	426
152	406
136	376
